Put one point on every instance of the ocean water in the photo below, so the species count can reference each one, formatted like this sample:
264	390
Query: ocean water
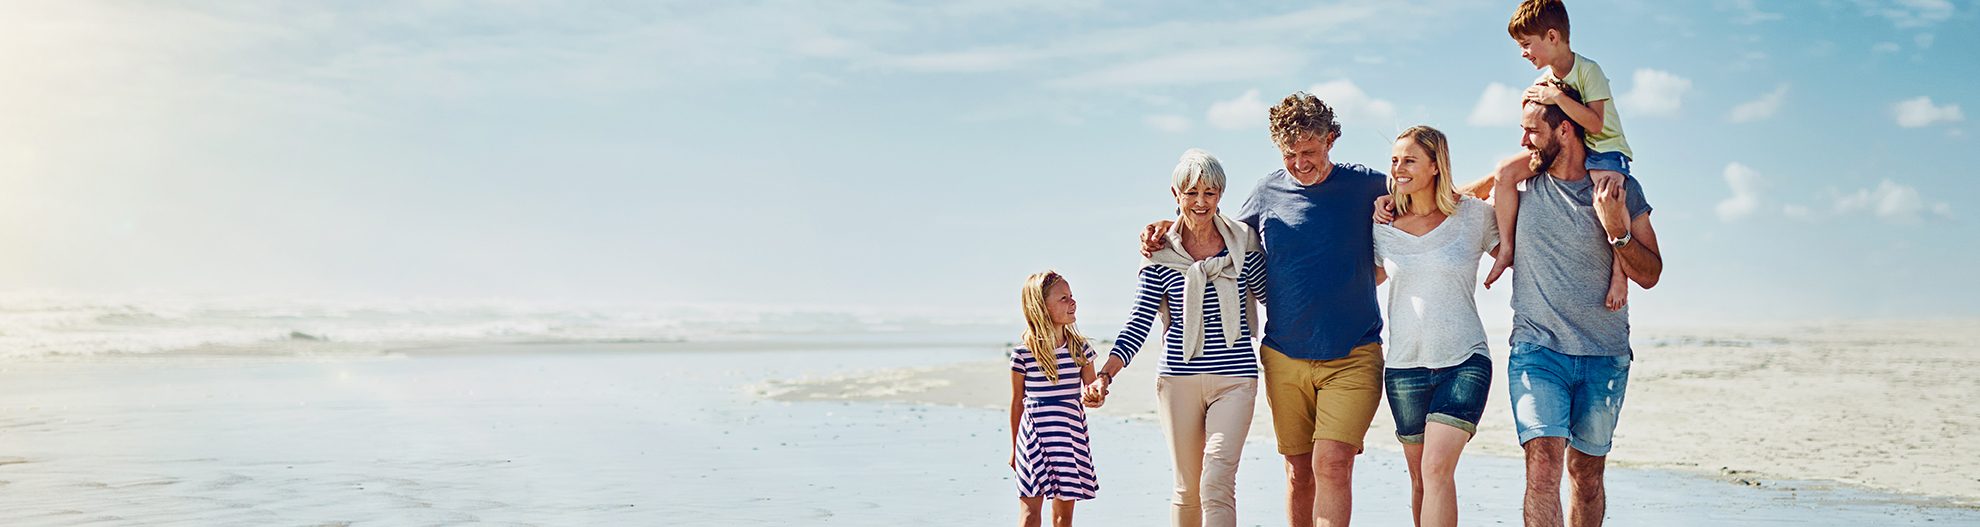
79	326
650	434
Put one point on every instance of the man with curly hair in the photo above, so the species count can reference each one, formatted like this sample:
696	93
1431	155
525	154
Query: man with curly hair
1322	350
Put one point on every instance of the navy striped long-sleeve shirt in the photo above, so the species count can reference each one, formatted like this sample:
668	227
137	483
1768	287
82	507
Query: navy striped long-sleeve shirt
1164	286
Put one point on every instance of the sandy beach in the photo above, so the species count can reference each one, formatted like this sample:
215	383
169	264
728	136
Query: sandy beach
899	430
1883	406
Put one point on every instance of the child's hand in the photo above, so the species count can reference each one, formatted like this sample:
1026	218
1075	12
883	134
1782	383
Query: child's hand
1543	93
1385	209
1012	461
1618	293
1094	394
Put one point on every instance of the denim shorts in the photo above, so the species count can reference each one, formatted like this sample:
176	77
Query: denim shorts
1559	395
1610	161
1453	396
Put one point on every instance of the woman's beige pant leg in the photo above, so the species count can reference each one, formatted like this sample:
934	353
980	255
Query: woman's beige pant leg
1227	419
1206	418
1180	405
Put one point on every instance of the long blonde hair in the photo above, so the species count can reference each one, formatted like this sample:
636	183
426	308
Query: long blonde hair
1439	148
1041	335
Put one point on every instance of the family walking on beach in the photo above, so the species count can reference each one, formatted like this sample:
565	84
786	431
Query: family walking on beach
1309	246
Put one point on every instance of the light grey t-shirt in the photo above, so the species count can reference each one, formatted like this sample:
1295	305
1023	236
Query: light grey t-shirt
1433	318
1561	265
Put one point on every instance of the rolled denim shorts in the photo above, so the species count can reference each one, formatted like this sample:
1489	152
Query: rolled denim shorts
1610	161
1559	395
1454	396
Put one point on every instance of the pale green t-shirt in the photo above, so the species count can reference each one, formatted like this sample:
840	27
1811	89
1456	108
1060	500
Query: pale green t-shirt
1587	77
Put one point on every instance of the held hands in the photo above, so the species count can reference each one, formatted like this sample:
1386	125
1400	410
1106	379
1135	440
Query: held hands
1094	395
1385	209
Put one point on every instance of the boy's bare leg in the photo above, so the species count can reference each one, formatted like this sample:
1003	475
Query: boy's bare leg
1505	205
1618	287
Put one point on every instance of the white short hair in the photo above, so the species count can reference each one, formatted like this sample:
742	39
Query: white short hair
1198	167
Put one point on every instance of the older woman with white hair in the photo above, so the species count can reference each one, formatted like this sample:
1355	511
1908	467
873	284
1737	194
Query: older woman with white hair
1201	292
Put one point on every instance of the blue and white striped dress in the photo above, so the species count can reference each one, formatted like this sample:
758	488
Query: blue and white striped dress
1053	458
1161	285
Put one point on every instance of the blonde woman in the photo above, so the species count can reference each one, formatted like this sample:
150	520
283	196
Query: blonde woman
1198	293
1437	370
1049	447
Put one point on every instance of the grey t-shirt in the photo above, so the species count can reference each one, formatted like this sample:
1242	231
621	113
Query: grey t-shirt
1561	266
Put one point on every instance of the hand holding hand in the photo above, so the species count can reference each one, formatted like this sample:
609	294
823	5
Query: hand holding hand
1094	394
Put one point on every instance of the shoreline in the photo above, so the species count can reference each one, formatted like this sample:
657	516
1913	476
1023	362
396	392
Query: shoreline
1788	408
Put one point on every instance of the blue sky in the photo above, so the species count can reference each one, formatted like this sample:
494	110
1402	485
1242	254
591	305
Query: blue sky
1804	158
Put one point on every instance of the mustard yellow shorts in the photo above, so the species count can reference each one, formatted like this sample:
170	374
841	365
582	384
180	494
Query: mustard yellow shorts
1322	399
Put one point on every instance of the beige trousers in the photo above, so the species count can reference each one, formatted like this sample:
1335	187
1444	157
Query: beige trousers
1206	418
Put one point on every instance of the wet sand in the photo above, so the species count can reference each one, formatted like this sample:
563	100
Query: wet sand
1879	406
652	434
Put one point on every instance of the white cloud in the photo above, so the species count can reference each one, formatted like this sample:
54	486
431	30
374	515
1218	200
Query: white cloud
1745	200
1923	40
1920	112
1192	67
1353	107
1797	212
1885	47
1892	202
1168	123
1909	13
1245	111
1761	108
1497	106
1655	93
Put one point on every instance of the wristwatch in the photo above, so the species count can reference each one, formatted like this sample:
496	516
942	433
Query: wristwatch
1620	242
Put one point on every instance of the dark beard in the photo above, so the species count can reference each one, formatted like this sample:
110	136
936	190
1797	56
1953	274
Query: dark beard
1545	160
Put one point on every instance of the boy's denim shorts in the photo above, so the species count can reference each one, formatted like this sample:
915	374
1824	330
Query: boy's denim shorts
1453	396
1610	161
1572	396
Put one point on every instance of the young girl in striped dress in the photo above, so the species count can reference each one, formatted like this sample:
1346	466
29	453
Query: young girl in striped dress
1049	447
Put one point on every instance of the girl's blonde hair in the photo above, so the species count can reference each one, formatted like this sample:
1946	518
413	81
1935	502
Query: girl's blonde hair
1043	337
1439	148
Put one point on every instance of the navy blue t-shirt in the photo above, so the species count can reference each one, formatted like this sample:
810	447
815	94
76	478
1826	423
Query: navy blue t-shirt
1319	260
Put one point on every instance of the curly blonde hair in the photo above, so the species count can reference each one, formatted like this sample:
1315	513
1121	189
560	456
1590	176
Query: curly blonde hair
1302	115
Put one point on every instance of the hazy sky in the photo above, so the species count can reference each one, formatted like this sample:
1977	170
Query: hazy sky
1806	159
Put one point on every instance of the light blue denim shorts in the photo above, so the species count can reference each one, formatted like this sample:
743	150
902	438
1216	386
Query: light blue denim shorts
1610	161
1559	395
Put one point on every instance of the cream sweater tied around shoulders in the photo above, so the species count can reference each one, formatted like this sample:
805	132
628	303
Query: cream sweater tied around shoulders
1220	272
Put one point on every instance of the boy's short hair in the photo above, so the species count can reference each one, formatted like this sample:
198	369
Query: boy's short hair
1535	17
1553	115
1302	114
